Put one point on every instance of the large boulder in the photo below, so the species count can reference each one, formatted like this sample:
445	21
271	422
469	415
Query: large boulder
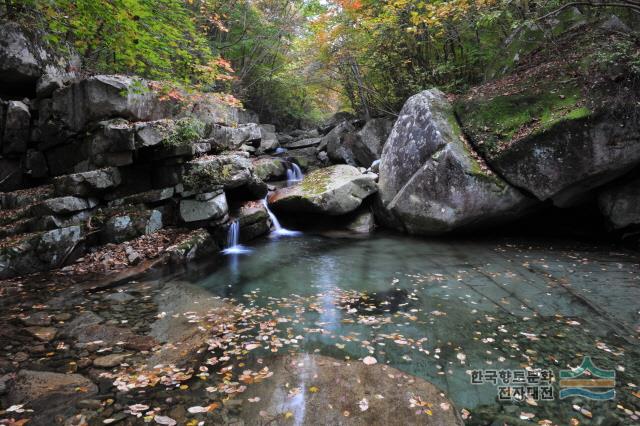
554	137
17	123
303	143
334	190
211	109
62	205
21	60
270	168
204	208
431	181
269	139
334	120
106	96
230	171
231	138
620	203
338	143
38	252
254	220
369	141
88	183
127	224
566	157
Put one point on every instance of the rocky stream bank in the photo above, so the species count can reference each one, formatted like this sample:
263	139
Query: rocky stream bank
107	180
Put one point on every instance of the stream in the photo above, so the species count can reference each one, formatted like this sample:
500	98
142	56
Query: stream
440	309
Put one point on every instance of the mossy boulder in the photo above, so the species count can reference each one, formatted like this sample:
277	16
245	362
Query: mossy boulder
564	124
432	181
334	191
230	171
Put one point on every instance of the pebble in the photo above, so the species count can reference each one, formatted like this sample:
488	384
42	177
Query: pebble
37	319
20	357
45	334
109	361
64	316
91	404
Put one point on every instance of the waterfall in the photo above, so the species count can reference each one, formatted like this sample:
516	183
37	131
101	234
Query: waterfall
278	230
294	174
233	237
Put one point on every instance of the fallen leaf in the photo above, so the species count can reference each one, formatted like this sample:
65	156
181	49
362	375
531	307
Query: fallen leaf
369	360
164	420
363	404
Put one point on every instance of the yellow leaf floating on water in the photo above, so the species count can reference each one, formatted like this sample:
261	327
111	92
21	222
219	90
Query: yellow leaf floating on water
288	415
313	389
184	387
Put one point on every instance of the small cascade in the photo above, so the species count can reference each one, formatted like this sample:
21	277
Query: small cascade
294	174
278	231
233	238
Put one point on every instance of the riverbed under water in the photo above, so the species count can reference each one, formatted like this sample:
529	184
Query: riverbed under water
438	309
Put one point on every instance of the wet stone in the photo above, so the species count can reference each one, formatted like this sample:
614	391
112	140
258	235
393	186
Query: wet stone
45	334
37	319
109	361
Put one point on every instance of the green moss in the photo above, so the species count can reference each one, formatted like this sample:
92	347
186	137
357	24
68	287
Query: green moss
495	123
315	183
204	176
185	132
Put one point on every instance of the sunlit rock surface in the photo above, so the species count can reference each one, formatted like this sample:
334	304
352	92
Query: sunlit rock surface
315	389
335	190
432	182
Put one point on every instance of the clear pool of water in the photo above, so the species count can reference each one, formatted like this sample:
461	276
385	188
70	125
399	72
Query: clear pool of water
438	309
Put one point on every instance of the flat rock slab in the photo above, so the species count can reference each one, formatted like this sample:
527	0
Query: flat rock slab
314	389
86	183
109	361
44	334
303	143
335	190
48	393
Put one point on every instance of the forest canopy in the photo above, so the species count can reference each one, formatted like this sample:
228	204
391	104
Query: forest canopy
295	60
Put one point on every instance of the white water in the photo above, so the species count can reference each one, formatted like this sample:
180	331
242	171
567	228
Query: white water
294	174
278	230
232	241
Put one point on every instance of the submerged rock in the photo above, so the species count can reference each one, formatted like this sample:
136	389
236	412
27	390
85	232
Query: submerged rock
48	393
344	393
431	181
335	190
